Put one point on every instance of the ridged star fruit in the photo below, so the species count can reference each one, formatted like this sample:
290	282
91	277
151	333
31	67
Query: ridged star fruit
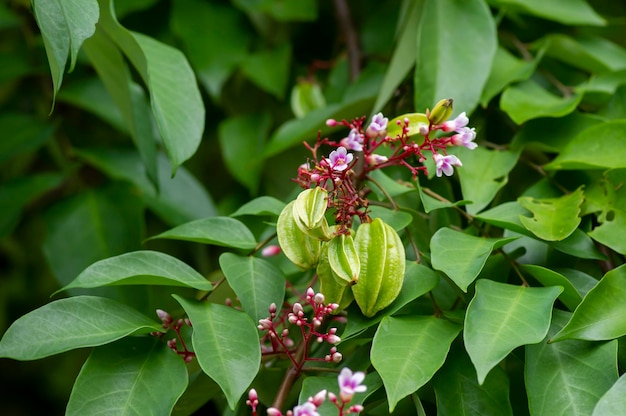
301	249
343	259
308	211
334	289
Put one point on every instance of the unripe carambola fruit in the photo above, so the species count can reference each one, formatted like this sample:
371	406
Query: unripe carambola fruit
302	250
343	259
334	289
382	266
441	112
308	211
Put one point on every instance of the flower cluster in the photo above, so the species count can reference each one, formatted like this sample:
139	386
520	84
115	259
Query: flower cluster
349	384
413	137
169	323
277	338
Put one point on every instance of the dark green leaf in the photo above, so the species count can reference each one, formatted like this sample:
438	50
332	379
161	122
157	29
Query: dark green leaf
570	296
269	69
506	69
219	231
131	376
21	134
67	324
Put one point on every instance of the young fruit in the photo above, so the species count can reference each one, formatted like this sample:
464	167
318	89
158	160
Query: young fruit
301	249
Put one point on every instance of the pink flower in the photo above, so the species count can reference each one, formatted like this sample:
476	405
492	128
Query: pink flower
339	159
350	383
374	159
354	141
378	126
455	125
271	250
306	409
465	137
445	164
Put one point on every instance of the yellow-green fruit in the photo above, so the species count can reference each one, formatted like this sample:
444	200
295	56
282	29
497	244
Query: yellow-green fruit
441	112
302	250
309	210
343	259
334	290
383	262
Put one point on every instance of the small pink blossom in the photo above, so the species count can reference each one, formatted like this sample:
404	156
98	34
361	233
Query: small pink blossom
354	141
350	383
455	125
271	250
378	126
444	164
318	399
339	159
374	159
272	411
306	409
465	137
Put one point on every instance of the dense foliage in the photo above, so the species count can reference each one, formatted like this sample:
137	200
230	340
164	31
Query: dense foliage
447	240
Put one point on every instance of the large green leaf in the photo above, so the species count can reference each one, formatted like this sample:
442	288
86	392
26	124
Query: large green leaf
134	376
263	205
458	392
569	12
418	280
528	100
484	173
602	313
176	102
462	256
256	282
219	231
140	268
570	295
613	402
226	344
506	69
568	378
554	219
585	151
608	196
456	43
407	351
67	324
590	53
64	25
502	317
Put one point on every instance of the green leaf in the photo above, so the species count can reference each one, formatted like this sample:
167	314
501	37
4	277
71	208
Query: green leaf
462	256
569	12
392	187
269	69
506	70
131	376
458	392
306	96
585	151
407	351
528	100
140	268
602	313
64	25
226	344
242	156
592	54
613	402
484	173
215	37
67	324
554	219
256	282
21	134
448	65
263	205
219	231
570	296
303	10
176	102
397	219
430	203
502	317
418	280
568	378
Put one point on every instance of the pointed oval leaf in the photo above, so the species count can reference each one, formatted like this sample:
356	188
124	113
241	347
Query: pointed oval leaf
569	12
462	256
502	317
570	296
226	344
602	313
67	324
554	219
568	378
613	402
256	282
263	205
407	351
131	376
140	268
219	231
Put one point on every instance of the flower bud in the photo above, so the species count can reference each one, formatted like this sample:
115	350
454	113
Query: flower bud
302	250
441	112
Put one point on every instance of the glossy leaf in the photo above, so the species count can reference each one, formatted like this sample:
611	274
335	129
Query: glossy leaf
502	317
613	402
64	25
67	324
140	268
448	66
462	256
226	344
418	280
458	391
527	100
407	351
602	313
605	153
219	231
554	219
483	174
263	205
568	377
256	282
570	295
591	53
131	376
570	12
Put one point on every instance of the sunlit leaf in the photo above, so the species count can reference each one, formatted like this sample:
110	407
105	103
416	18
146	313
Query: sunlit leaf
613	402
